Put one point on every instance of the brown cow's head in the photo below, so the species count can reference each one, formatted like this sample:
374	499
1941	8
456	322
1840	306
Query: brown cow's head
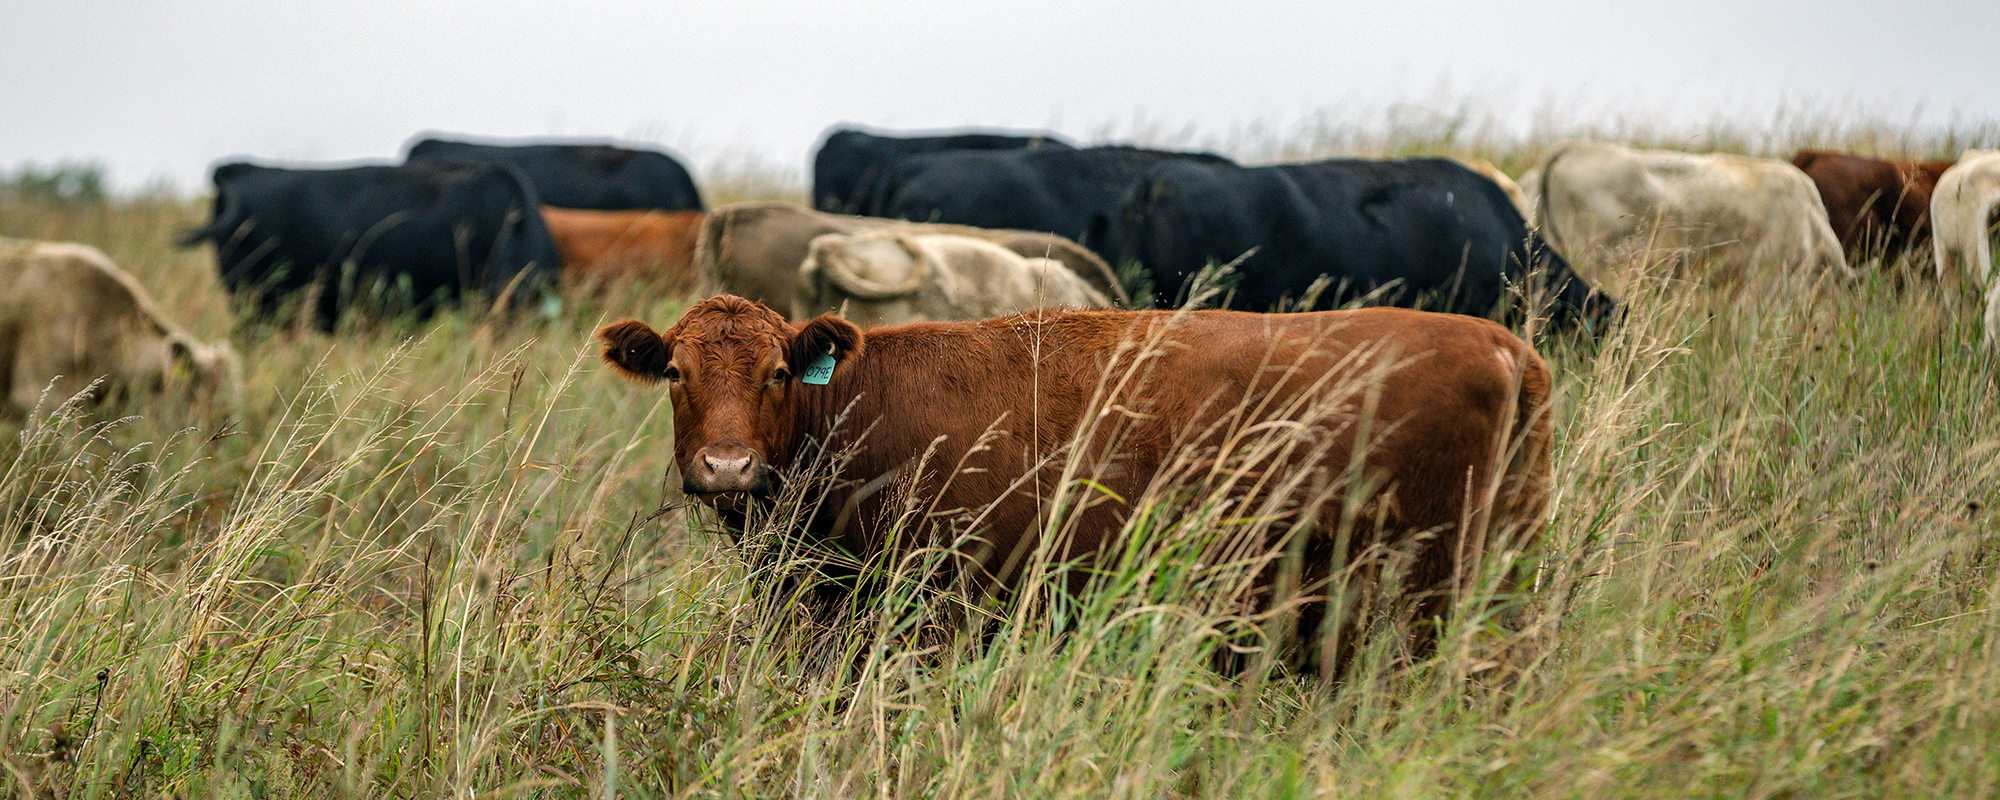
732	369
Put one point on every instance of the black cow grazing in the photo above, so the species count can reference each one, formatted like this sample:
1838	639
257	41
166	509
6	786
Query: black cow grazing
429	230
850	160
583	175
1070	193
1423	231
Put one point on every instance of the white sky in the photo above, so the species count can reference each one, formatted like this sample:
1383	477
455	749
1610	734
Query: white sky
165	89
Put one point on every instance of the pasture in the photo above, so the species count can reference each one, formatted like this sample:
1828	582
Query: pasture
444	559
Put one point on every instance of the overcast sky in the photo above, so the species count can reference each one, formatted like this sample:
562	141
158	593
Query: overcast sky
165	89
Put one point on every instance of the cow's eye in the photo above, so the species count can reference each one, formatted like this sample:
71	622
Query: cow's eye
673	373
780	375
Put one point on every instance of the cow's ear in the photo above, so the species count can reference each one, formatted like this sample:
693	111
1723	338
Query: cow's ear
826	335
635	350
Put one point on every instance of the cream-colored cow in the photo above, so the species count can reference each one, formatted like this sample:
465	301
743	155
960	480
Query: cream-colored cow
1964	208
68	316
1604	206
888	277
754	249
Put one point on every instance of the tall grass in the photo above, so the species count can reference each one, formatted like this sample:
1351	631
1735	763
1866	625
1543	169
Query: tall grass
454	564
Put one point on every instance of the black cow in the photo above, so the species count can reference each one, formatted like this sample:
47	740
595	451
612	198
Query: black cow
595	176
1423	231
1070	193
849	161
426	230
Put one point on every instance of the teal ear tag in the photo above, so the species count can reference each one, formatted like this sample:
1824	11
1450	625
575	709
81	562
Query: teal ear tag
820	371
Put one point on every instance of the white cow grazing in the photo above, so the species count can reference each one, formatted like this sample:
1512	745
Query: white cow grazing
888	277
68	315
1602	206
1963	211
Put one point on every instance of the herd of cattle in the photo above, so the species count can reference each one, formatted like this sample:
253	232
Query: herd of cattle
1018	258
951	227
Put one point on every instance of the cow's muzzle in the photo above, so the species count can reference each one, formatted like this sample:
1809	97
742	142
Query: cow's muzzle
726	468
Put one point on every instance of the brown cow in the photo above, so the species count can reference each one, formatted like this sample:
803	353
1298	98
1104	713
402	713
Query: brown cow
754	249
600	247
991	426
1874	205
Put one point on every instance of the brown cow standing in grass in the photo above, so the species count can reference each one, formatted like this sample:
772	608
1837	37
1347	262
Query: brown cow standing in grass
1420	434
601	247
68	316
1875	206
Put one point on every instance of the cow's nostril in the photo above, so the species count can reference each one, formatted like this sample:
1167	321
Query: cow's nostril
726	469
727	466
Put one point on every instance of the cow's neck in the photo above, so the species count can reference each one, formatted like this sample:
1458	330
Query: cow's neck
819	407
872	386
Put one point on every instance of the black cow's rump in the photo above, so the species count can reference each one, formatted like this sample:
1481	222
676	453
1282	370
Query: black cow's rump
427	231
1423	231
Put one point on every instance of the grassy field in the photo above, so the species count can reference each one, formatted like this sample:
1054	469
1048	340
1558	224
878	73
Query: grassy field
446	560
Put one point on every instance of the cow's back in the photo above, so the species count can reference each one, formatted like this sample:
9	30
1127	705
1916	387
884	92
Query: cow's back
584	175
1461	392
1605	205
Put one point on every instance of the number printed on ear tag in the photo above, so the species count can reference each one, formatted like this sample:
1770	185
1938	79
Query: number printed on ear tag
820	371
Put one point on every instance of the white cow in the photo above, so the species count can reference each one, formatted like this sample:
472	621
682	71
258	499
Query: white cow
888	277
69	316
1963	211
1604	206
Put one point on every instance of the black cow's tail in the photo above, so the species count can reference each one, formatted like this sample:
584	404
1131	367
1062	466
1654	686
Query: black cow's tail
228	213
212	232
223	220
